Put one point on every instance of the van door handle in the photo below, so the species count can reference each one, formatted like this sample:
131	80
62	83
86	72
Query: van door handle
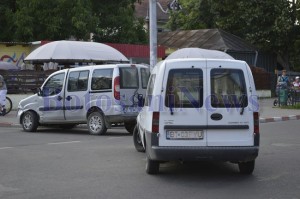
59	98
216	116
68	98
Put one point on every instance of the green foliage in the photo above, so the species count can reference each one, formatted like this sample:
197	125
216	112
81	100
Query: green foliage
117	23
31	20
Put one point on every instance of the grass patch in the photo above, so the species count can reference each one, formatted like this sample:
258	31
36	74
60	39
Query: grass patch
295	106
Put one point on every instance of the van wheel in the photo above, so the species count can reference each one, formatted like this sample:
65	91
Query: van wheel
29	121
247	167
137	140
129	126
96	124
152	166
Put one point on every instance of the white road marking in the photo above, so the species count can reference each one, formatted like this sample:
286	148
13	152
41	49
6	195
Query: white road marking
53	143
6	148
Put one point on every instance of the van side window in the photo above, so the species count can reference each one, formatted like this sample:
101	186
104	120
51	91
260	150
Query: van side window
228	88
78	81
145	73
102	79
149	91
129	78
54	85
184	88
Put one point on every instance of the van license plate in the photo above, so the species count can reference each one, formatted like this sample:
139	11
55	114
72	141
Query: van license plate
184	135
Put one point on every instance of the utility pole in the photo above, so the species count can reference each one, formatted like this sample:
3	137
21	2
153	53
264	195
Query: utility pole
153	33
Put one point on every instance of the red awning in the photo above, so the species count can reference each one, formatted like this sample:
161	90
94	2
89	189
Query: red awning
141	51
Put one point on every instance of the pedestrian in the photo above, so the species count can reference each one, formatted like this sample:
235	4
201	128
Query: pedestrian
296	83
3	92
283	79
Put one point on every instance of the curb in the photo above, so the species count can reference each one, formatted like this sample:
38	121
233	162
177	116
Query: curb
279	119
261	120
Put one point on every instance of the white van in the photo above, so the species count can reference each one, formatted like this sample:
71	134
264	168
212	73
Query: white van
199	109
98	96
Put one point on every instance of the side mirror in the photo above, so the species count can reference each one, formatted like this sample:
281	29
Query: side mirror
39	92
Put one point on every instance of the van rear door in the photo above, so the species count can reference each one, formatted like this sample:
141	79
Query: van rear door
130	87
183	117
230	119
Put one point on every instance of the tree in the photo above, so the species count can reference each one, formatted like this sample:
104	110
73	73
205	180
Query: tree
268	24
53	19
7	9
117	23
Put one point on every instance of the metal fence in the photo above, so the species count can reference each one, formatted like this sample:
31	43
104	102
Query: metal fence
24	81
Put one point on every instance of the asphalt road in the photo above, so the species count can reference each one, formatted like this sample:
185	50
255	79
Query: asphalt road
73	164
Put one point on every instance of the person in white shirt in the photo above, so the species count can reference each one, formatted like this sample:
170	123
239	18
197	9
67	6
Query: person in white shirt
3	92
296	83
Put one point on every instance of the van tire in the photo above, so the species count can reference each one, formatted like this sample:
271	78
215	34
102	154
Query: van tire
129	126
152	166
247	167
96	123
29	121
137	140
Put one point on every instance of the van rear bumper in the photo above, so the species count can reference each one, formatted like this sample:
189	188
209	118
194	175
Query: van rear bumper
198	153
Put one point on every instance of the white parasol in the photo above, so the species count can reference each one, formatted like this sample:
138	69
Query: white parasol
75	51
8	66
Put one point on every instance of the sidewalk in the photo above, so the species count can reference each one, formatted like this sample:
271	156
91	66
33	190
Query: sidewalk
268	113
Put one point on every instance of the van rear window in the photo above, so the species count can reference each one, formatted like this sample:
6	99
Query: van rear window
102	79
228	88
184	88
129	78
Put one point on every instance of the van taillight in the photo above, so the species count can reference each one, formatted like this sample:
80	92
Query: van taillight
256	122
155	122
117	88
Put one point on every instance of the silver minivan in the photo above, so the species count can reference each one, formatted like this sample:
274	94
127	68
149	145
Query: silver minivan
99	96
199	109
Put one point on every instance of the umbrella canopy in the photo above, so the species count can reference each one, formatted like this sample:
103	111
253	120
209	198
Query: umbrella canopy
198	53
7	66
75	51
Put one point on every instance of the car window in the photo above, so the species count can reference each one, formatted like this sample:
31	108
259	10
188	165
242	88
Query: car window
149	92
145	73
129	78
54	85
228	88
184	88
78	81
102	79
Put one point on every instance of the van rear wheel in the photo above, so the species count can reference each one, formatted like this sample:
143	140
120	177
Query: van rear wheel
96	124
247	167
152	166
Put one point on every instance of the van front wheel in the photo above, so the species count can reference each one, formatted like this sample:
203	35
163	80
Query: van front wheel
29	121
137	140
129	126
247	167
96	124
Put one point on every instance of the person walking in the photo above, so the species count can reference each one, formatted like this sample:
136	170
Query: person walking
3	92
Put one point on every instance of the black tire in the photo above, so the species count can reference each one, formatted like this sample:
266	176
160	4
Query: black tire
137	140
129	126
152	166
8	106
29	121
96	124
247	167
275	103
